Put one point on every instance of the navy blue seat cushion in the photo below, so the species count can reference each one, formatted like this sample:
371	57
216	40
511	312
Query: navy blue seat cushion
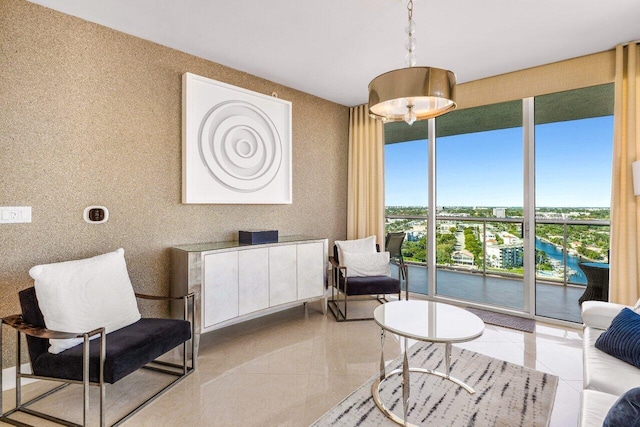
127	350
372	285
626	411
622	338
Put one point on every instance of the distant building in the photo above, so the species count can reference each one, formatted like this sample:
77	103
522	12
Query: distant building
551	215
463	257
510	239
446	226
490	236
500	212
414	236
419	226
505	256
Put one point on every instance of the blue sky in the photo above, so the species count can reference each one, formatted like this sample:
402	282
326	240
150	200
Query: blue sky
573	167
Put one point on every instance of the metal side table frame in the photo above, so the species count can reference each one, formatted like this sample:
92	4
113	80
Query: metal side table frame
407	311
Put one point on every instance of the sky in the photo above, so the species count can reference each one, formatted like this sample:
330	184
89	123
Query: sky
573	167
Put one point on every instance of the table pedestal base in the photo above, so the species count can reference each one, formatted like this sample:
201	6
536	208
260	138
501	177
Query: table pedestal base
417	320
375	391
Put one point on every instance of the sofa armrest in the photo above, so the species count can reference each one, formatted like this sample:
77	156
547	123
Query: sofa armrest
599	314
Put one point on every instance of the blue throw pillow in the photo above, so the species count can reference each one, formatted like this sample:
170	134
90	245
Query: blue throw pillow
622	339
626	411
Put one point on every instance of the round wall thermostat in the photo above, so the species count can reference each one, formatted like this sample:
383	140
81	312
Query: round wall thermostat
96	214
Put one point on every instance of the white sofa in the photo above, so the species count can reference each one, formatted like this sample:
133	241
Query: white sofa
605	377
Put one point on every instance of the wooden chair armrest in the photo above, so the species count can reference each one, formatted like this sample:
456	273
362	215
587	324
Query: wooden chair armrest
334	264
16	322
188	308
163	298
337	271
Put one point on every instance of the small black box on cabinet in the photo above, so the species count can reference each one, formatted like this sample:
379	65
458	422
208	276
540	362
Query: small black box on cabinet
255	237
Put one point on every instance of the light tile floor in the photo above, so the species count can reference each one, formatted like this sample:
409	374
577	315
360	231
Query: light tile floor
287	369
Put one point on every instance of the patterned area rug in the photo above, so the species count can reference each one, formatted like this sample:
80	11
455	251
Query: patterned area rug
506	394
504	320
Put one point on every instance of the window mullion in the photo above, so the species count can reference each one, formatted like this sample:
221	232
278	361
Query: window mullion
529	225
431	215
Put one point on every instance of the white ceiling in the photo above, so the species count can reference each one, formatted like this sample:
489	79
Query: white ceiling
333	48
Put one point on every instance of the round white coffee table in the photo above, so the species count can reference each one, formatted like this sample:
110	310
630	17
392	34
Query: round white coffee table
423	321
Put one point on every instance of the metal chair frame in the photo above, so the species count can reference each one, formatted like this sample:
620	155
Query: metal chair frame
16	322
334	303
396	252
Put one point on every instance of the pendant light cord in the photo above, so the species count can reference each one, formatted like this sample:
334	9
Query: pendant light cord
410	58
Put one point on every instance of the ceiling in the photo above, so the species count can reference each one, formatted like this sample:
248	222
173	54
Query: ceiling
334	48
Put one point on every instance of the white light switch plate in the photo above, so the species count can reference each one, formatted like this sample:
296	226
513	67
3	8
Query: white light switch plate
14	214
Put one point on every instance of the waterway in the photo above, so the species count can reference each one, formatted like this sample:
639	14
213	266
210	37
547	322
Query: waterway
572	261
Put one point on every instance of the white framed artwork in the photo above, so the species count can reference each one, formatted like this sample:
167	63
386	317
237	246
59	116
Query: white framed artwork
236	144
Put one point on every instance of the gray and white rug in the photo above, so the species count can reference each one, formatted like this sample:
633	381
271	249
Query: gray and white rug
506	394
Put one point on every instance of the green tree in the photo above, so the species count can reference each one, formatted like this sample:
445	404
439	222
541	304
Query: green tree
445	245
542	261
473	245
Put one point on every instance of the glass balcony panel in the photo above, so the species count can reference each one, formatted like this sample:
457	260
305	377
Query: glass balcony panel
588	243
480	261
414	247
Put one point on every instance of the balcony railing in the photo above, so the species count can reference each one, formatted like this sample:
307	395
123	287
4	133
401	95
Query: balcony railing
568	265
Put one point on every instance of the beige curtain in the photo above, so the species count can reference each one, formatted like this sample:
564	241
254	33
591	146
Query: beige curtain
624	283
365	194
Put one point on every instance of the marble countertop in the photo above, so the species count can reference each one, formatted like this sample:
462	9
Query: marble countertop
213	246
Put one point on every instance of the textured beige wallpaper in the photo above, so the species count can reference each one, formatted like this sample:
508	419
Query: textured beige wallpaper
93	116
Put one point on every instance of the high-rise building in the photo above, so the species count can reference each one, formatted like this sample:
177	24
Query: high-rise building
505	256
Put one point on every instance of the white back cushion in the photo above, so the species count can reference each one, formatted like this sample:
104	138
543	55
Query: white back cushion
366	264
366	245
79	296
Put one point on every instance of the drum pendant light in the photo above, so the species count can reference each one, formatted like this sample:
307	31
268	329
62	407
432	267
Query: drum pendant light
412	93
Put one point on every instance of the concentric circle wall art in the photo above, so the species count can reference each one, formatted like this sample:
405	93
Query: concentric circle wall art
240	146
236	144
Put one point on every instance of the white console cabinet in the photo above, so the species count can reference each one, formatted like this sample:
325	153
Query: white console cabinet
234	282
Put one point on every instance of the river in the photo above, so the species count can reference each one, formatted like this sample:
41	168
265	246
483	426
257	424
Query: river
572	261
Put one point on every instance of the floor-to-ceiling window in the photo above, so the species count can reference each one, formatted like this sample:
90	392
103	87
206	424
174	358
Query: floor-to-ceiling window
573	149
406	204
479	194
482	191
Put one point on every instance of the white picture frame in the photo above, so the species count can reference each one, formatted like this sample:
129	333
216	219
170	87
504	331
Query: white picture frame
236	144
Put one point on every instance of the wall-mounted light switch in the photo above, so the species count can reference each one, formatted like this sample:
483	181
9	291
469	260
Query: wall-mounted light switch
14	214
